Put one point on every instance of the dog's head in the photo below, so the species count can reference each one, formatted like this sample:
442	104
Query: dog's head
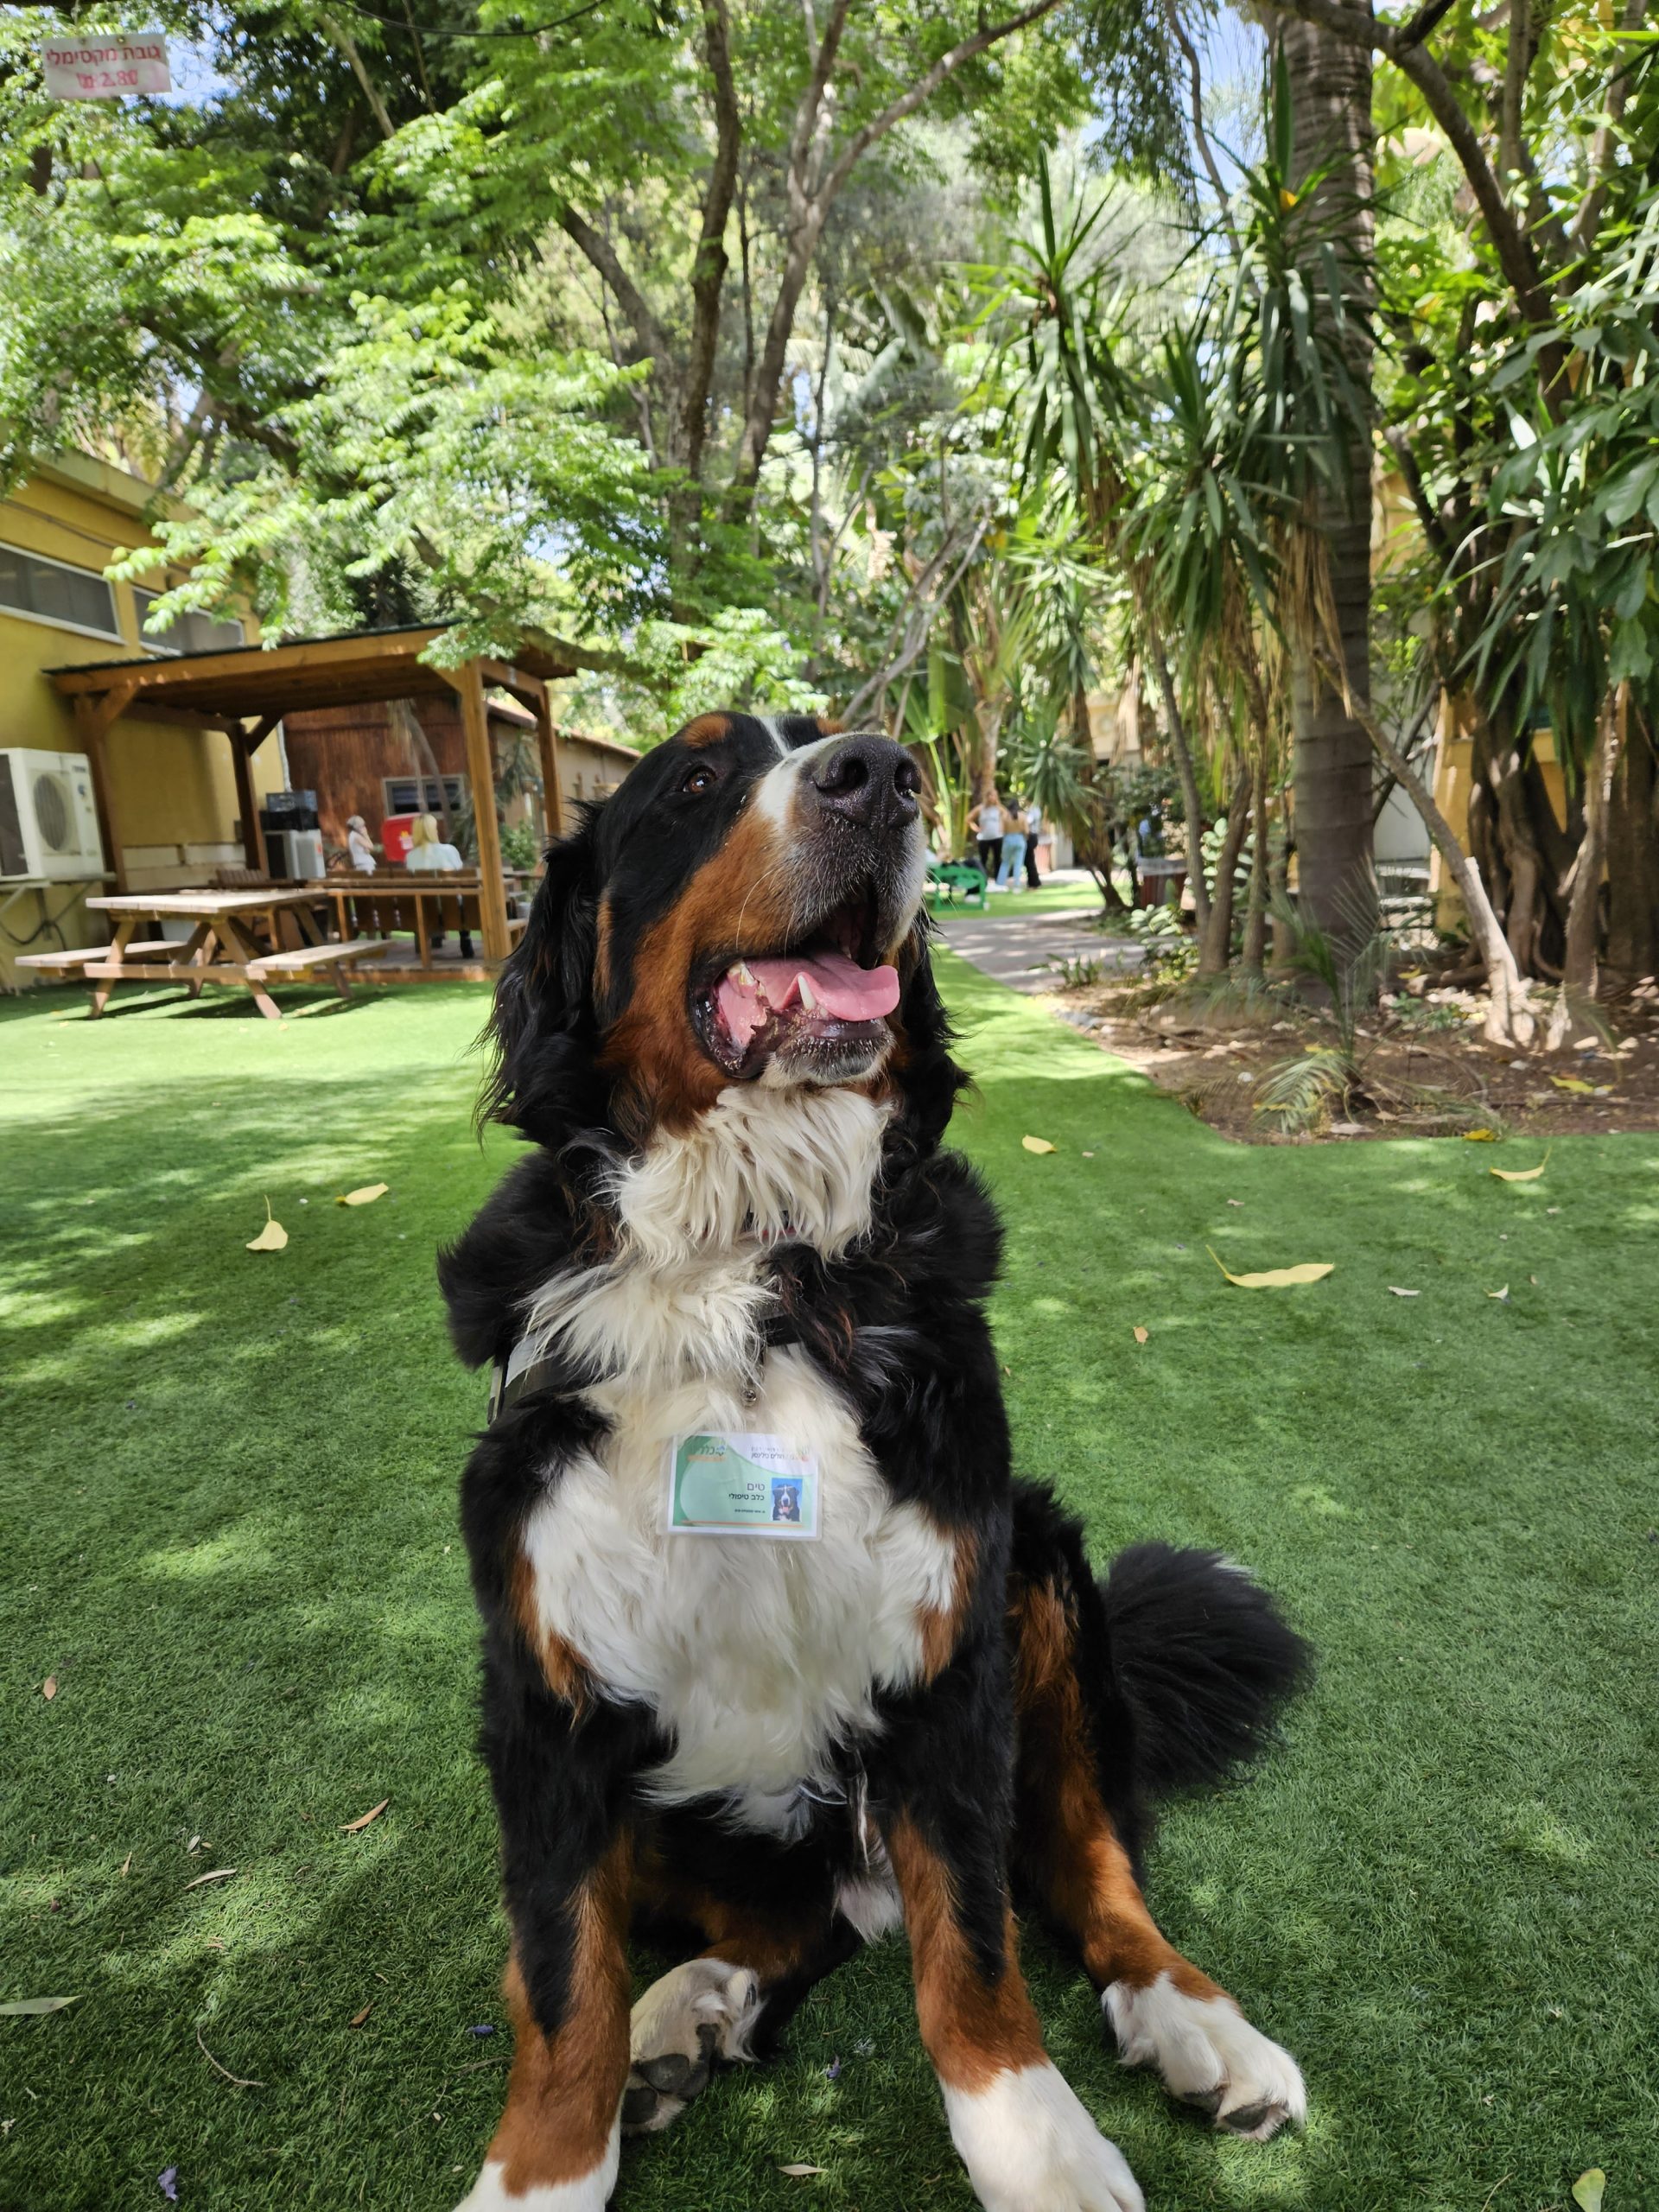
746	909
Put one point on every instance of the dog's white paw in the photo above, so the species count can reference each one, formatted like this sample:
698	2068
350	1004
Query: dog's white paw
589	2194
1029	2146
701	2012
1208	2054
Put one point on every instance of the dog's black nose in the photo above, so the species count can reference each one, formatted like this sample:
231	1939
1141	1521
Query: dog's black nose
869	780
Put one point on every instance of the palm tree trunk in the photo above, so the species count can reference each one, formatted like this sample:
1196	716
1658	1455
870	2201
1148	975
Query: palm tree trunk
1330	97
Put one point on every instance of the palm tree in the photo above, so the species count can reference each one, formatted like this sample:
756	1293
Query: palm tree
1323	132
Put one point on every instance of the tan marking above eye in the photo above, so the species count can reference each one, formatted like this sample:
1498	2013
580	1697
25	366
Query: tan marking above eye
707	729
828	726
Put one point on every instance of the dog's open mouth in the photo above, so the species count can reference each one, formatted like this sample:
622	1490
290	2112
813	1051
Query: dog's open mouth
821	1004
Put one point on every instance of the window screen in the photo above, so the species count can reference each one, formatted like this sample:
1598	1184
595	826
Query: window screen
418	795
188	633
77	596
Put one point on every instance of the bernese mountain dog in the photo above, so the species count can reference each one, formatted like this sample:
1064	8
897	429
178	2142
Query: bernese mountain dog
778	1656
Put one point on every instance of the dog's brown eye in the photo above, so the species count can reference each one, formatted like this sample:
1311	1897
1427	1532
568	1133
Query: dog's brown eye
699	779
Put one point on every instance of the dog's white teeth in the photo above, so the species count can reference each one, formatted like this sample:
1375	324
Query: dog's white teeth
740	972
809	996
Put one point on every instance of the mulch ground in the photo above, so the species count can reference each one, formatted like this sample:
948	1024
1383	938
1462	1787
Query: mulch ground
1426	1067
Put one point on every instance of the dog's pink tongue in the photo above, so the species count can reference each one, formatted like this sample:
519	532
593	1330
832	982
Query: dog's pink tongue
842	987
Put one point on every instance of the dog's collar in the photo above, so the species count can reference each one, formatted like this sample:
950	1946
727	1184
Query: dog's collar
527	1367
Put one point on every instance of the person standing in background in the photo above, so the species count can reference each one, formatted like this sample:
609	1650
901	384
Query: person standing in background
1013	854
986	823
1034	831
359	850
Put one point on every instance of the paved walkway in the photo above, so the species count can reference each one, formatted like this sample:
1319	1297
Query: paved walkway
1022	953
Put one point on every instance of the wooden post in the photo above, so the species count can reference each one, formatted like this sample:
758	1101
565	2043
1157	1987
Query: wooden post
480	770
92	719
242	761
547	745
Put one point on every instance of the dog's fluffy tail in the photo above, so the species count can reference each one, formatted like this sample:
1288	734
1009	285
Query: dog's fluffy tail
1202	1657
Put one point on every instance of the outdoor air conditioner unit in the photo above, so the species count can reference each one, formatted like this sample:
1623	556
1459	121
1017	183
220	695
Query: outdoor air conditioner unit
48	820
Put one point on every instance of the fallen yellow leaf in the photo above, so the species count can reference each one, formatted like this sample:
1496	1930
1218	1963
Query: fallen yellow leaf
1480	1136
1279	1278
365	1196
1521	1174
1503	1293
799	2171
49	1687
1037	1144
1140	1336
363	1819
358	2019
1587	2190
272	1237
219	1874
1573	1082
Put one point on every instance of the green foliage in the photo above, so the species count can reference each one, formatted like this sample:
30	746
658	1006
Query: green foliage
1574	492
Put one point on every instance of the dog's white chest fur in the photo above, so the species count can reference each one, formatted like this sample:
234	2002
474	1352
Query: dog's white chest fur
756	1656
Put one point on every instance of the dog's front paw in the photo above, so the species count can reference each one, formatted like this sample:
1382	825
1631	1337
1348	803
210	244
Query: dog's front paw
1029	2146
703	2010
1208	2054
590	2193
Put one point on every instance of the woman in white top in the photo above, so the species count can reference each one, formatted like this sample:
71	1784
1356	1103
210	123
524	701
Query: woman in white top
986	822
428	850
358	851
429	855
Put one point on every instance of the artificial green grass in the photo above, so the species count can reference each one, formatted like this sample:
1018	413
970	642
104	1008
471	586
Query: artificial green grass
229	1520
1051	899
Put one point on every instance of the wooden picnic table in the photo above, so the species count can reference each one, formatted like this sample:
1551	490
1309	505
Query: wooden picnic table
416	900
225	945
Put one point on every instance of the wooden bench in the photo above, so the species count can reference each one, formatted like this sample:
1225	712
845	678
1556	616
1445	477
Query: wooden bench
304	957
159	948
957	883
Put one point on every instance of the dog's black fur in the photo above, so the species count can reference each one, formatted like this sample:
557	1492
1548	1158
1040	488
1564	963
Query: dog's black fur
1182	1660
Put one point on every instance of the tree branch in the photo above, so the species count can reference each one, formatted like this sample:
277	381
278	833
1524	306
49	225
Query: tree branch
923	89
1518	63
347	46
1425	19
597	250
1201	137
1603	145
708	268
811	201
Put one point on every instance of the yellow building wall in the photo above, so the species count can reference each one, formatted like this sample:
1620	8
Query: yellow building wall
174	790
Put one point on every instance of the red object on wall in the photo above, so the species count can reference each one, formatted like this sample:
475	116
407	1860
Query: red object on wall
394	838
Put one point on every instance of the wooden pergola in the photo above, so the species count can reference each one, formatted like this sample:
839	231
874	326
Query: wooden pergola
246	691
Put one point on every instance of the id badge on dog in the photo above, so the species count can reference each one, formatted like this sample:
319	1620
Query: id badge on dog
741	1486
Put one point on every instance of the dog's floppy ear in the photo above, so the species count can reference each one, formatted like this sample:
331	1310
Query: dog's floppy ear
542	1028
927	1077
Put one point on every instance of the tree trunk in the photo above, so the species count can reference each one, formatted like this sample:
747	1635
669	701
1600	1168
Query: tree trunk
1509	1018
1584	914
1188	775
1633	860
1255	913
421	754
1526	861
1330	97
1215	951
